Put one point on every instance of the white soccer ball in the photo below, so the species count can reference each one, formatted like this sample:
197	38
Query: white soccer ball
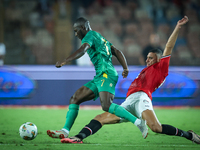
28	131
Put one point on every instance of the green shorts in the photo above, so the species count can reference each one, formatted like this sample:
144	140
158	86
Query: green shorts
102	83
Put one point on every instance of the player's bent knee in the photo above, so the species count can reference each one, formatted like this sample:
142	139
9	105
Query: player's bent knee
74	100
105	108
156	128
98	117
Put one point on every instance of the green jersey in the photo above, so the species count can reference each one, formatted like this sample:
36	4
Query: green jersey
100	53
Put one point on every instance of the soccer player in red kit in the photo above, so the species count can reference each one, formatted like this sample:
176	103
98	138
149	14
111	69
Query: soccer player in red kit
139	96
151	77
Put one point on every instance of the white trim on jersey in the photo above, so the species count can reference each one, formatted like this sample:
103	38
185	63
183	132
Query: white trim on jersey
165	56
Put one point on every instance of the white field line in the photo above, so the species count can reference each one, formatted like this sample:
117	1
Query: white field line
85	144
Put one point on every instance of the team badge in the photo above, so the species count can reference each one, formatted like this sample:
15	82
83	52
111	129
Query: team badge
111	84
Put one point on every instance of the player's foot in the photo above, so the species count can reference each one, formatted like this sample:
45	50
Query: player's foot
57	134
195	137
71	140
143	128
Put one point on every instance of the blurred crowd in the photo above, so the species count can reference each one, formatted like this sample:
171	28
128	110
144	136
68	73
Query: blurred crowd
133	26
28	33
136	25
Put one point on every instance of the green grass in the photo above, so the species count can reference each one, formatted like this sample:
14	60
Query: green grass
118	136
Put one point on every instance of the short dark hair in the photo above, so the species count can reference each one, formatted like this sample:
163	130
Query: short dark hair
157	51
81	21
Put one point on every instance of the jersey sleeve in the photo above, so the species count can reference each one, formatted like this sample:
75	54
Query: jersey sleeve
164	64
89	38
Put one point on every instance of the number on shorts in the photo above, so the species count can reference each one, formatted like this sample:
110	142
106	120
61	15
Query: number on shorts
103	80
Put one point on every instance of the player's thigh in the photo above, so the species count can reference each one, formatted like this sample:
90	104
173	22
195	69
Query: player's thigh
106	87
93	87
106	98
130	105
136	103
145	108
152	120
143	103
81	95
150	116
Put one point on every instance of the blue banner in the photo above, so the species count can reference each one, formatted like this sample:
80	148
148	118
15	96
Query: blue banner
175	85
55	86
14	84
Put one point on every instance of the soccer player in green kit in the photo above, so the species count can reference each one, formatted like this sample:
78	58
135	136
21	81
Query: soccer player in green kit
100	52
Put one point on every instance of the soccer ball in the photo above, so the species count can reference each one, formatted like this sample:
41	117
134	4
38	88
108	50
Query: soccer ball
28	131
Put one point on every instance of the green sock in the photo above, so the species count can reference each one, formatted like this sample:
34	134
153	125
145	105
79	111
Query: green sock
71	116
121	112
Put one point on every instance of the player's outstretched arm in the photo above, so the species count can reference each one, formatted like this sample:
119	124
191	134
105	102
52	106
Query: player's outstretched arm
122	60
77	54
172	39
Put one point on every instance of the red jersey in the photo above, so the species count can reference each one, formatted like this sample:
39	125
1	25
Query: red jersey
150	78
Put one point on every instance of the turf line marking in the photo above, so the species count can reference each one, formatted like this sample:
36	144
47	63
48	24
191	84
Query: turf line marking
85	144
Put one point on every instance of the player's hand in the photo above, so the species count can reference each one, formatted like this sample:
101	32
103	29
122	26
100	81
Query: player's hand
125	73
59	64
183	21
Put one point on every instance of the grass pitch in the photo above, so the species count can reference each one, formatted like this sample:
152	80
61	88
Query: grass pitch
110	137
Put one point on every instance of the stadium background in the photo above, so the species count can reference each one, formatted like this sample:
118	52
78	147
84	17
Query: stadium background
37	33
